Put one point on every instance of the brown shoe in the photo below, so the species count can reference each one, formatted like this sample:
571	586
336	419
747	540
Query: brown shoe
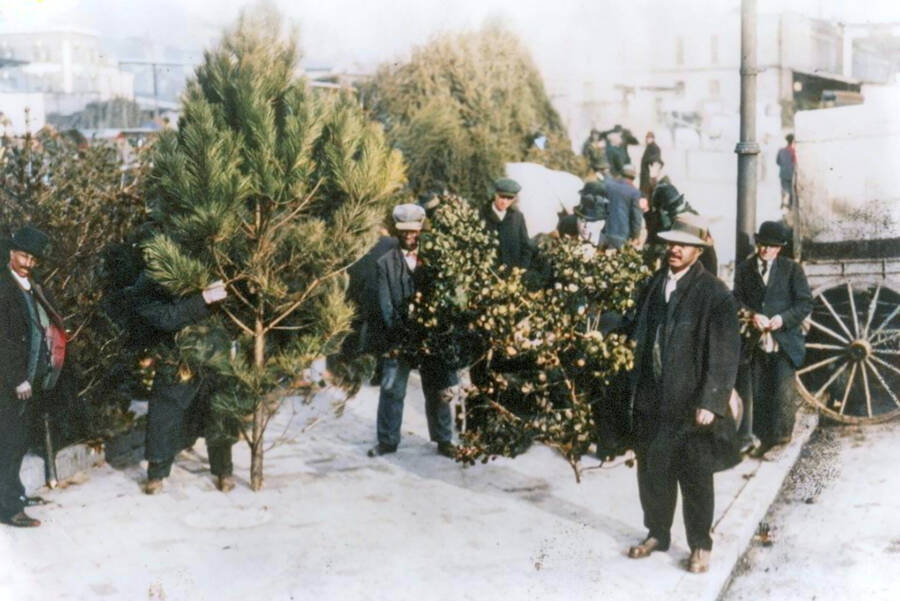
699	561
225	483
153	486
648	546
22	520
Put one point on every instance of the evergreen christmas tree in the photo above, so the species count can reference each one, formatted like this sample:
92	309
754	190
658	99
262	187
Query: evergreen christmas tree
463	106
537	341
274	189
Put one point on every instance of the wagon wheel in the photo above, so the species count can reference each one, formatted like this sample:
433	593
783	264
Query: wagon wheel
852	368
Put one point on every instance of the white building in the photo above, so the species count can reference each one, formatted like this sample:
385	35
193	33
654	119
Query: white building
68	67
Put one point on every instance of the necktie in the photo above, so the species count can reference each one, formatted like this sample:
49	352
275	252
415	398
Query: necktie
764	267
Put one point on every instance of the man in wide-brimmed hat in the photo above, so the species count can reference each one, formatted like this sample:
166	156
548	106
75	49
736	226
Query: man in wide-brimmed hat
685	364
773	288
28	364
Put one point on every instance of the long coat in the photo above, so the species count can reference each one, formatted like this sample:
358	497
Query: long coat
167	430
787	294
625	218
515	245
699	356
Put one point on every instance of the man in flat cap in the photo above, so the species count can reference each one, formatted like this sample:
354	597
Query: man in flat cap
30	335
398	273
685	365
501	217
626	216
774	290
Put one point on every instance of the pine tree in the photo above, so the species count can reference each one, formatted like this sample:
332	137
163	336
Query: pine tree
274	189
463	106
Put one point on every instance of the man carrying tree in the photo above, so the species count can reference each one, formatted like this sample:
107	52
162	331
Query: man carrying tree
398	271
29	366
685	365
179	401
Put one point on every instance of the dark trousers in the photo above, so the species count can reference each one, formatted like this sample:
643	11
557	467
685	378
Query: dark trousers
177	416
766	385
669	458
394	378
15	420
219	462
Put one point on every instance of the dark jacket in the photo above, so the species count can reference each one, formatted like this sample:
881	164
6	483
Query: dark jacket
15	333
651	153
617	157
625	218
362	291
515	246
787	294
701	345
786	160
395	286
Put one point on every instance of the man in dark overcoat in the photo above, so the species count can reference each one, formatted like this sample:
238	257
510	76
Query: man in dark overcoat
688	346
398	274
588	219
652	154
509	224
774	290
179	399
26	365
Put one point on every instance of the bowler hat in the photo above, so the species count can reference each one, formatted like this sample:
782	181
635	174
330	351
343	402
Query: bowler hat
687	229
666	197
772	233
506	186
30	240
593	207
408	217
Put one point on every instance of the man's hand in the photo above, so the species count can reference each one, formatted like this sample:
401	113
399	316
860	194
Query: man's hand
23	391
776	322
704	417
761	322
215	292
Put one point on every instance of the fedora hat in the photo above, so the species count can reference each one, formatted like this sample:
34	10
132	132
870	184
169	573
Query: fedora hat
687	229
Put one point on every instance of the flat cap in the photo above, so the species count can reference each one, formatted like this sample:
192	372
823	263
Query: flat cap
506	186
408	217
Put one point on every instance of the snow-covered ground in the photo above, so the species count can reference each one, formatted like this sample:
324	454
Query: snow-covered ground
332	523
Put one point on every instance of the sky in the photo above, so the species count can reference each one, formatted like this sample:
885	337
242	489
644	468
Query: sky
367	32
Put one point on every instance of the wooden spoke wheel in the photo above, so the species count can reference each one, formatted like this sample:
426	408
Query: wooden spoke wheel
852	368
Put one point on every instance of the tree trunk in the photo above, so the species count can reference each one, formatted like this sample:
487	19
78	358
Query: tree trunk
259	417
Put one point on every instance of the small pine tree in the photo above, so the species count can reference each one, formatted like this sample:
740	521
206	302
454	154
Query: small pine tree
274	189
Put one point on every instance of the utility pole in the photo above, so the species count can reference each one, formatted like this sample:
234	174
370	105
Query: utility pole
153	65
747	149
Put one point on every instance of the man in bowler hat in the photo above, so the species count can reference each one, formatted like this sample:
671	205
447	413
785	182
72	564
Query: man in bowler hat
588	218
27	364
685	365
774	290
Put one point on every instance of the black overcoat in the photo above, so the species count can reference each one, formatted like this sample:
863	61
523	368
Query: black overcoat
515	246
787	294
699	357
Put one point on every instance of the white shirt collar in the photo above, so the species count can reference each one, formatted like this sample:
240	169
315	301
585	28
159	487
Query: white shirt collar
679	275
25	283
500	214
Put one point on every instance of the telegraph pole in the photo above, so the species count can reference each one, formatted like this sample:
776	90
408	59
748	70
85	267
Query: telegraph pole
747	149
